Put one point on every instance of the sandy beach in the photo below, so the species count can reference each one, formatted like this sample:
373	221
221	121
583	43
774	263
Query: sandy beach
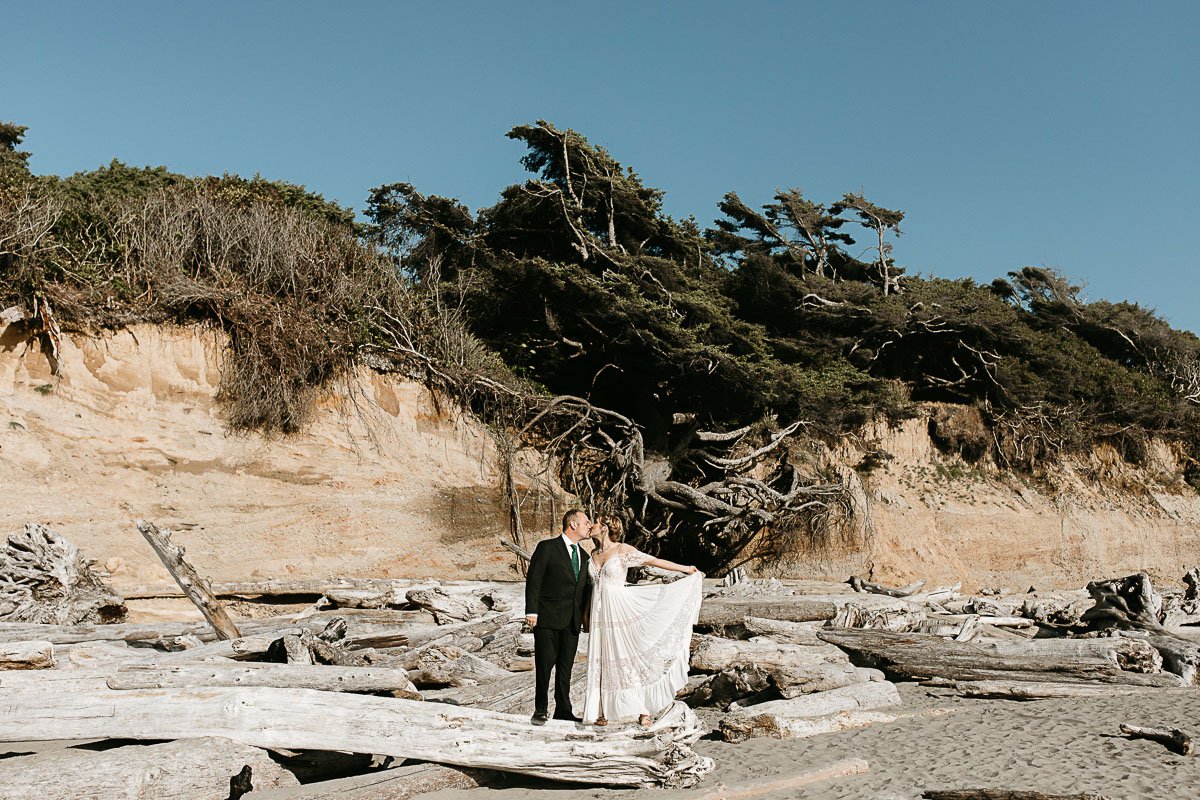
1048	746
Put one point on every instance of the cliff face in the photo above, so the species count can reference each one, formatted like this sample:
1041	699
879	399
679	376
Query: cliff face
390	482
386	482
927	516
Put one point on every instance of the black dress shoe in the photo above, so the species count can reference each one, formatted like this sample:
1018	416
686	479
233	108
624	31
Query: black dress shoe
538	718
569	719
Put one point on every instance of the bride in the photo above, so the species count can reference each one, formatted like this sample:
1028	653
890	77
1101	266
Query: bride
638	645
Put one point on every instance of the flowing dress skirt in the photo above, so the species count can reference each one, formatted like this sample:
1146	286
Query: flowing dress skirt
639	645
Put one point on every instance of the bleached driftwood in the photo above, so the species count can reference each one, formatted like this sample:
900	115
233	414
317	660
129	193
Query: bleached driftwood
306	719
860	585
26	655
446	665
1173	739
197	769
814	714
195	587
397	783
318	587
1134	655
915	656
1031	690
853	615
447	607
716	611
728	686
43	579
789	632
1128	603
290	676
713	653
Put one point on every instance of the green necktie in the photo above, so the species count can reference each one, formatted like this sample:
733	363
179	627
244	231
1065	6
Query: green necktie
575	560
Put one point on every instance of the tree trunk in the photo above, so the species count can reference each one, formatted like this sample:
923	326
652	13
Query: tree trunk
196	769
813	714
189	581
914	656
732	610
1030	690
714	654
1134	655
280	676
305	719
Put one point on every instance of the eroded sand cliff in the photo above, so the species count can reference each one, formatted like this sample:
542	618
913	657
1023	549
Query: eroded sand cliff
390	482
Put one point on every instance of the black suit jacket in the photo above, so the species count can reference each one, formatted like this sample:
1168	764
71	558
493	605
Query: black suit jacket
551	590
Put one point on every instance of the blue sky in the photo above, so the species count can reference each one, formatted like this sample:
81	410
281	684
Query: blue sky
1017	133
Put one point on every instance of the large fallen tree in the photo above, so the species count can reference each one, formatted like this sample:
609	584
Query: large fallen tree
313	720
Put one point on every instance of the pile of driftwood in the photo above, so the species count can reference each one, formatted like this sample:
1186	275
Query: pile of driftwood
431	685
351	674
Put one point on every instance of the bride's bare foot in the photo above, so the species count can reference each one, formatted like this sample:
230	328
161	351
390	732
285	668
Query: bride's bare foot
600	722
645	721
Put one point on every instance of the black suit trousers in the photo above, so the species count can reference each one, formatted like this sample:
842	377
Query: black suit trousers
554	650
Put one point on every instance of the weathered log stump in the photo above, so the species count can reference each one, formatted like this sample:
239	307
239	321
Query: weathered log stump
43	579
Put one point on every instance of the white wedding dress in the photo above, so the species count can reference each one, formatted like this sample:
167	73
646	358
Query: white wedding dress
639	640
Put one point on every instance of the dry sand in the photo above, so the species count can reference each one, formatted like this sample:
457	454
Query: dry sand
1049	746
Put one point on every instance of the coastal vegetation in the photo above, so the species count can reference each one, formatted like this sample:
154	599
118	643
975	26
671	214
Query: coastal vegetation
671	370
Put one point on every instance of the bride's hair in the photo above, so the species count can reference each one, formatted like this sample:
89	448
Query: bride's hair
616	530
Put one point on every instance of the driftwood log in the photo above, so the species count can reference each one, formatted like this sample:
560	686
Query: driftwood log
26	655
1128	603
1173	739
1032	690
1133	655
861	585
218	673
789	632
305	719
43	579
814	714
396	783
914	656
718	611
197	769
195	587
730	686
447	607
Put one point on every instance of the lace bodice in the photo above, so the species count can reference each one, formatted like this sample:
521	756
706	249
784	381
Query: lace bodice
615	568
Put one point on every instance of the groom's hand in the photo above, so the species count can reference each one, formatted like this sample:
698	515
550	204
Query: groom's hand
531	620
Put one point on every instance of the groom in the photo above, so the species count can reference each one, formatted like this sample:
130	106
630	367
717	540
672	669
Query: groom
557	592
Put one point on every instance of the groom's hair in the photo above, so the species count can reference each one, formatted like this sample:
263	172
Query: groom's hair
570	515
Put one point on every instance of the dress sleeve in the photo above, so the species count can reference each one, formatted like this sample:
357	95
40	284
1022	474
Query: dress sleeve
634	558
